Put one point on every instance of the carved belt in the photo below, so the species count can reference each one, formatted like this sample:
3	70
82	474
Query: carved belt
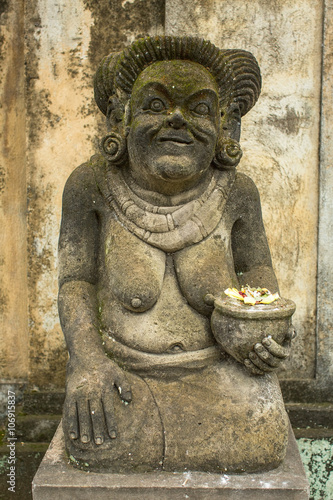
165	364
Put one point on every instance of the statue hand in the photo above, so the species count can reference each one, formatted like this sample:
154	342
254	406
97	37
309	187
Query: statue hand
268	354
88	408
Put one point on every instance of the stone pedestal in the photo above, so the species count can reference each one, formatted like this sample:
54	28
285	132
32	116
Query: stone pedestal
57	480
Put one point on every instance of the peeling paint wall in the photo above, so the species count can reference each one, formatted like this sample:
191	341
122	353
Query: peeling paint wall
50	50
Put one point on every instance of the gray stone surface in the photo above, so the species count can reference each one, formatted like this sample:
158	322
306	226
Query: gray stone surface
56	480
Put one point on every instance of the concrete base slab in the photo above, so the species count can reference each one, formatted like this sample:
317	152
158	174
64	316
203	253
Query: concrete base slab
57	480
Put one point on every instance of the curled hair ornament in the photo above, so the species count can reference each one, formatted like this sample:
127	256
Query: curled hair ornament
114	148
228	154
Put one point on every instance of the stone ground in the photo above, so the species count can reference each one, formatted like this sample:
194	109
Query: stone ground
313	427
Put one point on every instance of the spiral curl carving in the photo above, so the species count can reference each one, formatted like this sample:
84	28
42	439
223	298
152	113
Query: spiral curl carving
114	149
228	154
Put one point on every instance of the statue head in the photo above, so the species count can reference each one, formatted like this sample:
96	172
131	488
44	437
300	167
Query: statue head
174	105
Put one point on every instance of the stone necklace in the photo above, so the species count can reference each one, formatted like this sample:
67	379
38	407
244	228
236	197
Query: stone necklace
168	228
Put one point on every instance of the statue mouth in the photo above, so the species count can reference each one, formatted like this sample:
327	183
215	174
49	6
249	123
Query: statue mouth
177	139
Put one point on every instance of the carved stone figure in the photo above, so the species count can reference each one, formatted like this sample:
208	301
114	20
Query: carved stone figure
154	229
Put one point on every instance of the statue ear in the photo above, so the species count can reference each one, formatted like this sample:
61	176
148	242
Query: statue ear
228	154
228	151
115	114
231	121
114	145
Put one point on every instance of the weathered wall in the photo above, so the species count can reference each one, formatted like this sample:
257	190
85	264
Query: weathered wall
13	255
59	129
63	43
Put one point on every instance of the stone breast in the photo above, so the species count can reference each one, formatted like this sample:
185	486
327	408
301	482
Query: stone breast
133	270
206	268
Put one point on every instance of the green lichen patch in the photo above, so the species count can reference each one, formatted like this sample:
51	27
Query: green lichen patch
317	457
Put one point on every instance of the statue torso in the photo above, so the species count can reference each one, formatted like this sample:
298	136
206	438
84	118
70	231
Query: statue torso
154	301
152	298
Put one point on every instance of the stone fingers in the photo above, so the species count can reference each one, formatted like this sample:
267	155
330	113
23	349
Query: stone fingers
259	363
72	419
97	419
123	387
109	414
252	368
266	356
276	349
84	420
88	422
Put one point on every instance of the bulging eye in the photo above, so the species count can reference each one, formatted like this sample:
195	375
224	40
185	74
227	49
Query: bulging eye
157	105
201	109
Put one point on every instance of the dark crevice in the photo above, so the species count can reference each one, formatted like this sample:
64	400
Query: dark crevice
4	5
161	420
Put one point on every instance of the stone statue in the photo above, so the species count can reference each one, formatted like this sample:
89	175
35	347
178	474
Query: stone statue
154	229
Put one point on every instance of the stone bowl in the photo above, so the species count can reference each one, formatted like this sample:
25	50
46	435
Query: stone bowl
237	327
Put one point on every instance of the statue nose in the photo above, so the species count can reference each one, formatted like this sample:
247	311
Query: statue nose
176	119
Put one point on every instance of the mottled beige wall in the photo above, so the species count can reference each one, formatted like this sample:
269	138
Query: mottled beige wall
14	339
47	66
279	136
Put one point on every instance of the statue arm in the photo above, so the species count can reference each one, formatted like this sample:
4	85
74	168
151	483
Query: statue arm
251	254
89	392
77	267
253	265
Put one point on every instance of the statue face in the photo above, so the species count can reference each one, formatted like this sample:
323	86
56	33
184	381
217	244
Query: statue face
174	125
